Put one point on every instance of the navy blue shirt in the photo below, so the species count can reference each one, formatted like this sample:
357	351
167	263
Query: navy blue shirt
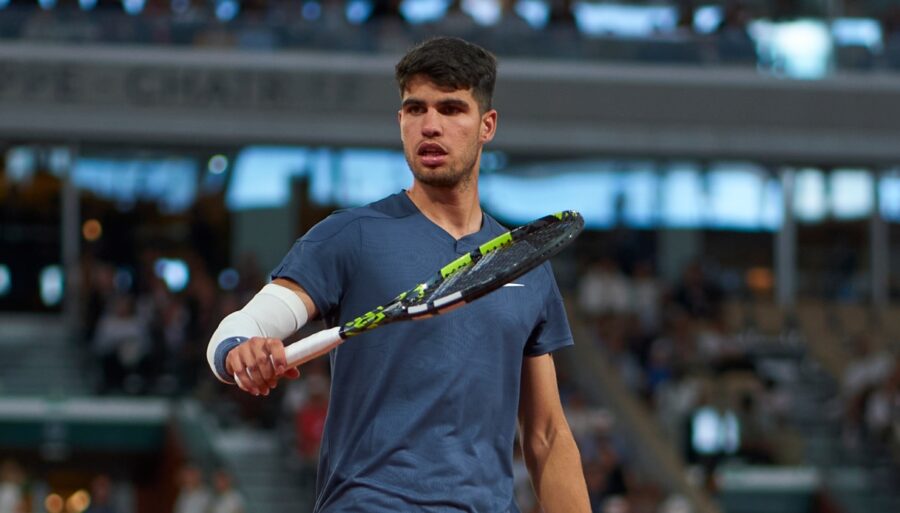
422	414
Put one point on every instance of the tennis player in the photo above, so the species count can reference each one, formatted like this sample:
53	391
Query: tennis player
423	414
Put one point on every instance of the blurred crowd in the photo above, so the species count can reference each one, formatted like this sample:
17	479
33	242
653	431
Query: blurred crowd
870	396
199	493
147	338
196	491
724	390
535	28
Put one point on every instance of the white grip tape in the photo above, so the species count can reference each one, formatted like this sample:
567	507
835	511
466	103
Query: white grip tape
312	346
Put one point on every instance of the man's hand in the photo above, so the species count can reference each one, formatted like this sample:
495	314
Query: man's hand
258	364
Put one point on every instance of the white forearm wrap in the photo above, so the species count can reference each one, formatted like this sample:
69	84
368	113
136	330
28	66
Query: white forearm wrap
274	312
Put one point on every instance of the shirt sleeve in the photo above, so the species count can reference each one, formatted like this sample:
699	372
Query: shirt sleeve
322	261
552	330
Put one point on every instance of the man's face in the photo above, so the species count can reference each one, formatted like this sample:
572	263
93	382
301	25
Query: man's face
442	132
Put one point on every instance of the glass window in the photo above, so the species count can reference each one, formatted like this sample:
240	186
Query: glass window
857	32
889	192
639	188
772	214
262	176
797	49
484	12
851	194
172	183
735	196
683	197
809	195
625	21
369	175
521	199
423	11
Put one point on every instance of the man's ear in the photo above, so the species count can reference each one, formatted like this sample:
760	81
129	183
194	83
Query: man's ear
488	126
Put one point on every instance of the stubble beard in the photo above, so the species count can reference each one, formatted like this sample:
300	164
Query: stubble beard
451	178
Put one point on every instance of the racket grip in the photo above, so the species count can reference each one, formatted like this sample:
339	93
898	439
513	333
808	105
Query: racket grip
312	346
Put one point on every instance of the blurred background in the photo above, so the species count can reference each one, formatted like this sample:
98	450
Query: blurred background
734	298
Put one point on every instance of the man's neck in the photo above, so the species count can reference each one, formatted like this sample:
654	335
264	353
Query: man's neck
457	211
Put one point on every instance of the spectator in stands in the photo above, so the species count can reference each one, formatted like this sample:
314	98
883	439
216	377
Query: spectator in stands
604	289
686	11
173	344
121	346
717	348
675	399
647	294
193	494
100	287
890	24
733	36
660	365
697	294
869	368
12	481
587	423
605	474
756	431
101	495
616	504
561	14
310	419
677	343
456	22
882	409
227	498
307	400
614	341
675	504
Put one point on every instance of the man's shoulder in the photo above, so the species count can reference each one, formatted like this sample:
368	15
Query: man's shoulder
339	221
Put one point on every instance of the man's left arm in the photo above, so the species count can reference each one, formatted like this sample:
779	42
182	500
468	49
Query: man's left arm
547	442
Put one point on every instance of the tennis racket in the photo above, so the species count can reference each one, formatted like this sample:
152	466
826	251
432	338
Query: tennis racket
483	270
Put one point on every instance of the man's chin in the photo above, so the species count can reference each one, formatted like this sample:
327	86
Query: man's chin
438	178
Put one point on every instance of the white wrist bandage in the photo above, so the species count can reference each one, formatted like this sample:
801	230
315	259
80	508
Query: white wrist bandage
274	312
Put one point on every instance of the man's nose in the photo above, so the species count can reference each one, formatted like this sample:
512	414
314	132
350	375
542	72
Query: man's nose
431	123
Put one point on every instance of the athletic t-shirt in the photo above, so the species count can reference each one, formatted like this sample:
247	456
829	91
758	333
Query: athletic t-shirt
422	414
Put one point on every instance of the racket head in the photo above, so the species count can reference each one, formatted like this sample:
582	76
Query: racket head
479	272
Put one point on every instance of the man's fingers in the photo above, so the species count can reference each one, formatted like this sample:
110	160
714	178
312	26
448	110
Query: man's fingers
258	364
247	370
262	363
234	364
240	382
276	353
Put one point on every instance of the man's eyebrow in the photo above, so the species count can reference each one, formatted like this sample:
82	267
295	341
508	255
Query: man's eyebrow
448	102
412	101
453	102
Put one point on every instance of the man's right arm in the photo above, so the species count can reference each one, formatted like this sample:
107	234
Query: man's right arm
247	349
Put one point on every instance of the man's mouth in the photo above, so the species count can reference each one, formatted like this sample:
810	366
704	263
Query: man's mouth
432	154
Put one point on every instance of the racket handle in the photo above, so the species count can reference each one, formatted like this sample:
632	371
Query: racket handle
312	346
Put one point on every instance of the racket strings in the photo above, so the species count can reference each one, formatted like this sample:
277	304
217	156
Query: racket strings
543	237
504	261
490	266
450	283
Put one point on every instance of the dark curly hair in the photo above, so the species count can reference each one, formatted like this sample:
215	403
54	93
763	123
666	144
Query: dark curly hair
453	63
